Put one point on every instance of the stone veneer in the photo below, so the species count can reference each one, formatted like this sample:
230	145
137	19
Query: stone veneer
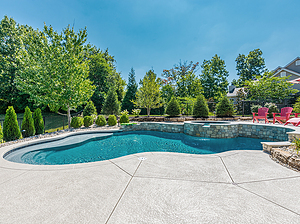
231	130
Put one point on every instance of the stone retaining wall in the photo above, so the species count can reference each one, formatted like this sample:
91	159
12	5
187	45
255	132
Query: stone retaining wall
267	132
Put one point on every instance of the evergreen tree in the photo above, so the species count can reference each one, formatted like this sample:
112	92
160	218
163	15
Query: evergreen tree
173	107
224	108
127	103
200	107
111	104
38	121
11	130
28	124
89	109
1	134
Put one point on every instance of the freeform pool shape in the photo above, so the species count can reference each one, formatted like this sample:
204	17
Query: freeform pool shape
108	146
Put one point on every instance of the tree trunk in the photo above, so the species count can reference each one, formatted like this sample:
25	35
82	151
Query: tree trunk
69	117
148	111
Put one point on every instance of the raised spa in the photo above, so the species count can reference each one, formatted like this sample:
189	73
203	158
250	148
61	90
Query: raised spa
103	146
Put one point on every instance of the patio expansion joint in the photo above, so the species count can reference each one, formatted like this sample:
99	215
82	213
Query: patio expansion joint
121	168
232	181
123	192
267	199
273	179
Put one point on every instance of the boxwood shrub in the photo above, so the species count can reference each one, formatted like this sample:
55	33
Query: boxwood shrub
88	121
112	120
76	122
124	119
100	121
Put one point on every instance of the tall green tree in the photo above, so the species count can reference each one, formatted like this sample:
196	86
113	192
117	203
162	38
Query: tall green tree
111	104
11	42
28	124
249	66
149	95
269	88
132	86
38	121
11	129
55	71
214	77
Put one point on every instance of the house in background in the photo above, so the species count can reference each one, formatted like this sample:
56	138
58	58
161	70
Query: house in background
233	93
292	69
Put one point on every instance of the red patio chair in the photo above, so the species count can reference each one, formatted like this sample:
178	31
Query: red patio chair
262	114
284	115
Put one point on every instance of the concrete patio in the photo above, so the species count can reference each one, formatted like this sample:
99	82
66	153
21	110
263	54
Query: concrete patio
231	187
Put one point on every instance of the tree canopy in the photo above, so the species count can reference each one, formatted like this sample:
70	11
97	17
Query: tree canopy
132	86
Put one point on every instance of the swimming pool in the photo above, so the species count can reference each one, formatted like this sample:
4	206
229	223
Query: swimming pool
108	146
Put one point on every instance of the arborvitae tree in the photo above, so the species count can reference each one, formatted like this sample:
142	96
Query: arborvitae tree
11	130
173	107
111	104
1	134
38	121
89	109
200	107
127	103
112	120
224	108
28	124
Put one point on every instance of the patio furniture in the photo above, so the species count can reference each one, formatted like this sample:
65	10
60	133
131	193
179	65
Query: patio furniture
294	121
284	115
262	114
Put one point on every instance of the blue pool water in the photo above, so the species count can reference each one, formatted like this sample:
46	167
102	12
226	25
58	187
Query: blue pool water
121	144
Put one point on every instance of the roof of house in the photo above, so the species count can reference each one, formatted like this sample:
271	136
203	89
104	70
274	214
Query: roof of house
234	93
285	68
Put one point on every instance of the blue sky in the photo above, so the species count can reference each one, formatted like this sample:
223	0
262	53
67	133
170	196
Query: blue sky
157	34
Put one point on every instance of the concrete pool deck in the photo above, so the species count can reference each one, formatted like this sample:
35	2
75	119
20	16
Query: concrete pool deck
230	187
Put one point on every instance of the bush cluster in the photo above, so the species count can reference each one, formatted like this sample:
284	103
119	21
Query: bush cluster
38	121
1	134
254	108
89	109
100	121
272	109
112	120
136	112
88	121
200	108
11	130
173	108
76	122
28	124
224	108
124	119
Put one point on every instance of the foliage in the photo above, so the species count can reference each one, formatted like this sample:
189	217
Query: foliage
1	134
249	67
100	121
241	96
132	86
112	120
38	121
124	119
11	130
11	42
173	108
28	128
214	78
111	104
186	105
200	107
296	141
76	122
124	112
89	109
254	108
55	69
272	109
136	112
88	121
269	88
296	106
224	108
149	96
181	80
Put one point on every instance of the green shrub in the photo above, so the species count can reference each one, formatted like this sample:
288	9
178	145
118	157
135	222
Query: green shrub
254	108
28	124
1	134
124	112
173	107
297	106
11	130
272	109
38	122
100	121
136	112
111	104
89	109
88	121
200	108
124	119
112	120
224	108
76	122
